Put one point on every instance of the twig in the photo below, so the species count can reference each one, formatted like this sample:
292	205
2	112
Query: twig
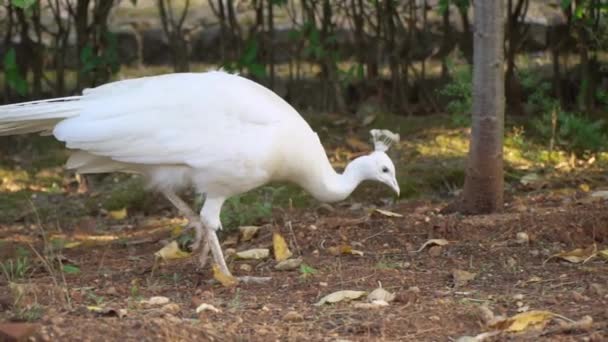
293	236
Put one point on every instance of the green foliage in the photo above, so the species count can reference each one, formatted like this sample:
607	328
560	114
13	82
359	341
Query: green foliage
240	210
248	61
23	3
444	5
16	269
104	59
573	132
459	93
13	76
307	271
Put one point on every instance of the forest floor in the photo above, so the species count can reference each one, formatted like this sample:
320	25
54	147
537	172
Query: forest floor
78	267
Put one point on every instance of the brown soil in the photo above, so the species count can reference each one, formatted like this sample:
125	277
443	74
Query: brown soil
119	274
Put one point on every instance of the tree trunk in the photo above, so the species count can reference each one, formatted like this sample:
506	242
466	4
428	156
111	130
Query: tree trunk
483	187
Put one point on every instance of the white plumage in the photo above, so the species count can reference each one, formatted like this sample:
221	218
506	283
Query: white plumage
220	133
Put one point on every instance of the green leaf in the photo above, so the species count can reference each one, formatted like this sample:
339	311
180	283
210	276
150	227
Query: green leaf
23	3
71	269
13	76
257	70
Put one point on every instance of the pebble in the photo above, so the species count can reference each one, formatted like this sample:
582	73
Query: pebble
293	316
245	267
171	308
435	251
112	291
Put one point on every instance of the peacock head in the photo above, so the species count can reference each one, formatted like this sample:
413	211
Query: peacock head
383	170
378	166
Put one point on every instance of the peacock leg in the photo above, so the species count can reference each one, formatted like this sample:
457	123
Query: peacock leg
216	250
194	220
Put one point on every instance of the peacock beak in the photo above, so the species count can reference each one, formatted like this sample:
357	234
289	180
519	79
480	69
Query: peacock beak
395	186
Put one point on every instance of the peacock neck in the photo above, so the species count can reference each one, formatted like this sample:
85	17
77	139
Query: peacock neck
332	186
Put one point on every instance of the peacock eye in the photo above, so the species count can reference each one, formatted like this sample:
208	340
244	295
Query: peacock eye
384	169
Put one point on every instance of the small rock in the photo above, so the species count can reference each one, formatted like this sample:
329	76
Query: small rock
435	318
435	251
323	284
289	264
245	267
518	296
157	300
171	308
414	289
229	251
293	316
511	262
111	291
461	278
534	252
16	331
522	238
597	289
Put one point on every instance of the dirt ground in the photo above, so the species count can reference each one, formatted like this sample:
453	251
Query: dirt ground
118	271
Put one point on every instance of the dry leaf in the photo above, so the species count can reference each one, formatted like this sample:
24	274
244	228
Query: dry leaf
118	214
461	277
368	119
254	253
72	244
344	249
156	300
603	253
248	232
381	294
289	264
432	242
120	313
207	307
281	250
578	255
225	279
357	145
340	296
531	319
376	304
171	251
387	213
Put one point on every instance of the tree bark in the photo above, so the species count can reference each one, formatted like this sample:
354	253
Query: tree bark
483	187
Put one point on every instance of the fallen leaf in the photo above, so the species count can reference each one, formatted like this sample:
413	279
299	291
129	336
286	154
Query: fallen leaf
577	255
225	279
281	250
376	304
289	264
432	242
530	178
254	253
71	269
156	300
603	253
248	232
531	319
120	214
381	294
339	296
176	231
603	194
357	145
387	213
461	278
171	251
344	249
120	313
207	307
72	244
368	119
